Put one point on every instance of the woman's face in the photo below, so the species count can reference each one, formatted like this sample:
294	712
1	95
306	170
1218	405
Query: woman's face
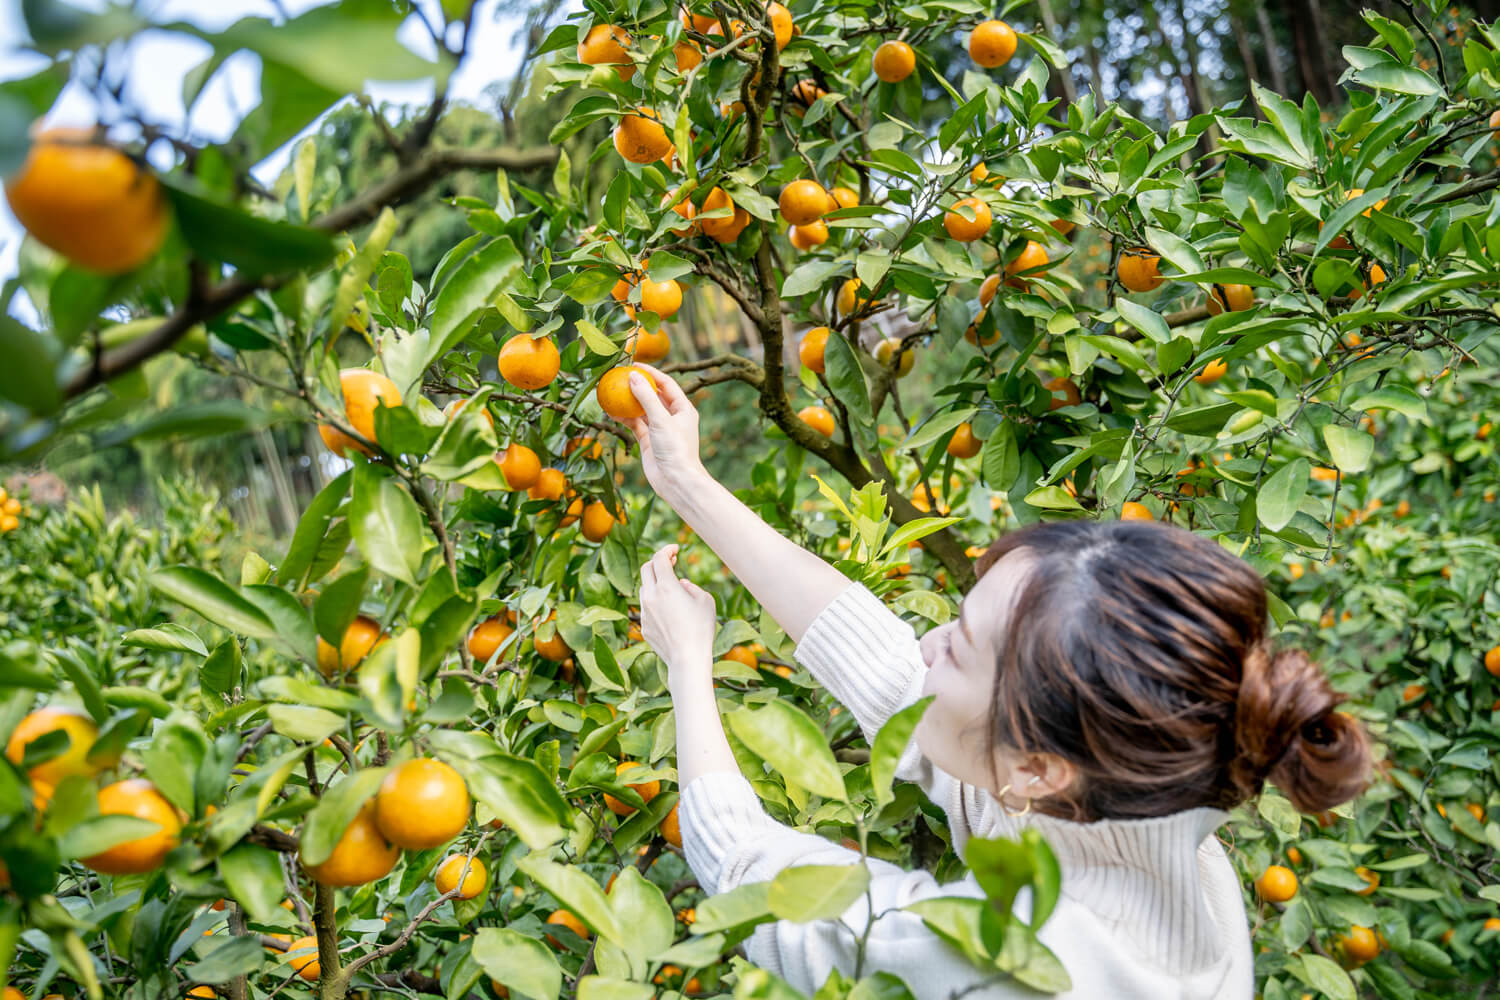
960	658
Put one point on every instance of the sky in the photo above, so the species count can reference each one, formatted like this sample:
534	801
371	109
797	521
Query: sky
159	60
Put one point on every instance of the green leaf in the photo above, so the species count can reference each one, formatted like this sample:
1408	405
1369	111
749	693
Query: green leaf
387	525
1325	976
212	598
254	878
516	790
338	605
784	737
1052	498
340	803
1380	70
935	427
523	964
304	723
888	746
846	378
220	673
1176	250
817	892
809	277
640	906
237	956
1148	321
168	637
740	907
311	529
100	833
1394	397
294	626
577	892
1351	447
29	375
254	246
611	988
470	290
1281	495
1001	460
357	272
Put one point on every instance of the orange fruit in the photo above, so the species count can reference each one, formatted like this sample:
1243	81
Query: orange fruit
9	523
687	55
621	290
648	790
1135	511
452	869
451	410
520	466
894	61
671	829
844	197
597	521
550	485
302	955
661	297
362	635
528	362
1377	277
1277	884
818	418
1476	810
554	649
363	391
988	289
742	655
487	638
803	201
683	208
1063	227
1412	692
1032	255
992	43
572	923
646	347
848	299
802	96
1139	271
139	798
1323	474
1212	372
1493	923
614	395
887	348
605	45
74	760
1359	945
963	443
1356	192
957	220
726	229
1236	298
1370	877
805	237
640	137
89	202
1492	657
704	24
972	334
1495	121
588	447
422	803
1293	855
781	24
1066	386
811	351
501	990
203	992
981	173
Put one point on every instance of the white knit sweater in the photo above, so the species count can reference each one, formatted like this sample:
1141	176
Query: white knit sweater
1150	909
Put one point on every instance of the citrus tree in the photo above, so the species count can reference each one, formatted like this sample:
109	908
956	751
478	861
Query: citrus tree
419	746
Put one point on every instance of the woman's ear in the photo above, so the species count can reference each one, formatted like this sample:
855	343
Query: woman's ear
1044	775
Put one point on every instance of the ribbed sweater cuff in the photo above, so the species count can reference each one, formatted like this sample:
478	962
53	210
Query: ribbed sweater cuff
864	654
719	812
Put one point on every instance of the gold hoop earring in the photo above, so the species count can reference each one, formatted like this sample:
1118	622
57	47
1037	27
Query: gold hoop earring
1007	811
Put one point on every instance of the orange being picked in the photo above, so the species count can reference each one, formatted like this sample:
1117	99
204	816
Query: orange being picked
1032	256
89	202
661	297
528	362
1212	372
302	956
670	828
963	443
550	484
614	394
894	61
992	43
605	45
818	418
453	869
640	137
803	201
1139	271
888	348
647	790
968	220
1235	298
646	347
422	803
363	391
139	798
805	237
487	638
520	466
811	351
1134	510
1277	884
362	635
565	919
597	522
74	760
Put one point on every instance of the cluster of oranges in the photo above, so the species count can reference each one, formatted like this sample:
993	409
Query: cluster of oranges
10	512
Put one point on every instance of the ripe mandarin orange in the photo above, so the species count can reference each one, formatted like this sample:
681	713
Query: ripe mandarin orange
74	760
1135	511
1237	298
648	790
453	869
605	45
988	289
1372	880
887	348
849	300
646	347
844	197
992	43
363	390
1139	271
614	394
520	466
362	635
302	955
1212	372
565	919
1359	945
1492	661
528	362
422	803
1066	386
89	202
894	61
963	443
725	229
139	798
813	234
781	23
640	137
550	485
487	637
811	351
818	418
968	220
597	522
684	208
670	828
451	410
661	297
1277	884
1032	256
687	55
803	201
554	649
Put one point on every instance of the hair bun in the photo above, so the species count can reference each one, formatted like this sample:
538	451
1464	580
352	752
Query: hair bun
1288	731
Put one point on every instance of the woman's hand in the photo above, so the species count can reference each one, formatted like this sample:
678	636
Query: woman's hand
677	619
668	435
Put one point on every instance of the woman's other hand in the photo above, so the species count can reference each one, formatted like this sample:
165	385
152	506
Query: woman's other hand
677	619
668	436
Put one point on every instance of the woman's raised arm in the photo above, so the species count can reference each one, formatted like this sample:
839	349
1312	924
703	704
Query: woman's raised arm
788	581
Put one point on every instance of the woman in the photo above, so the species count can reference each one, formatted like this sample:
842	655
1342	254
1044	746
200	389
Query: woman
1109	684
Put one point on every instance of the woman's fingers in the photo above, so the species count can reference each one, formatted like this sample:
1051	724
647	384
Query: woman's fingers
671	393
655	412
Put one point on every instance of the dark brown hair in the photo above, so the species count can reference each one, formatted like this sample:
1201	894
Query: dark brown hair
1139	653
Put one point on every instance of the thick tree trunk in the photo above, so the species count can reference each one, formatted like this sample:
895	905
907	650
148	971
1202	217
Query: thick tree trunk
1268	42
